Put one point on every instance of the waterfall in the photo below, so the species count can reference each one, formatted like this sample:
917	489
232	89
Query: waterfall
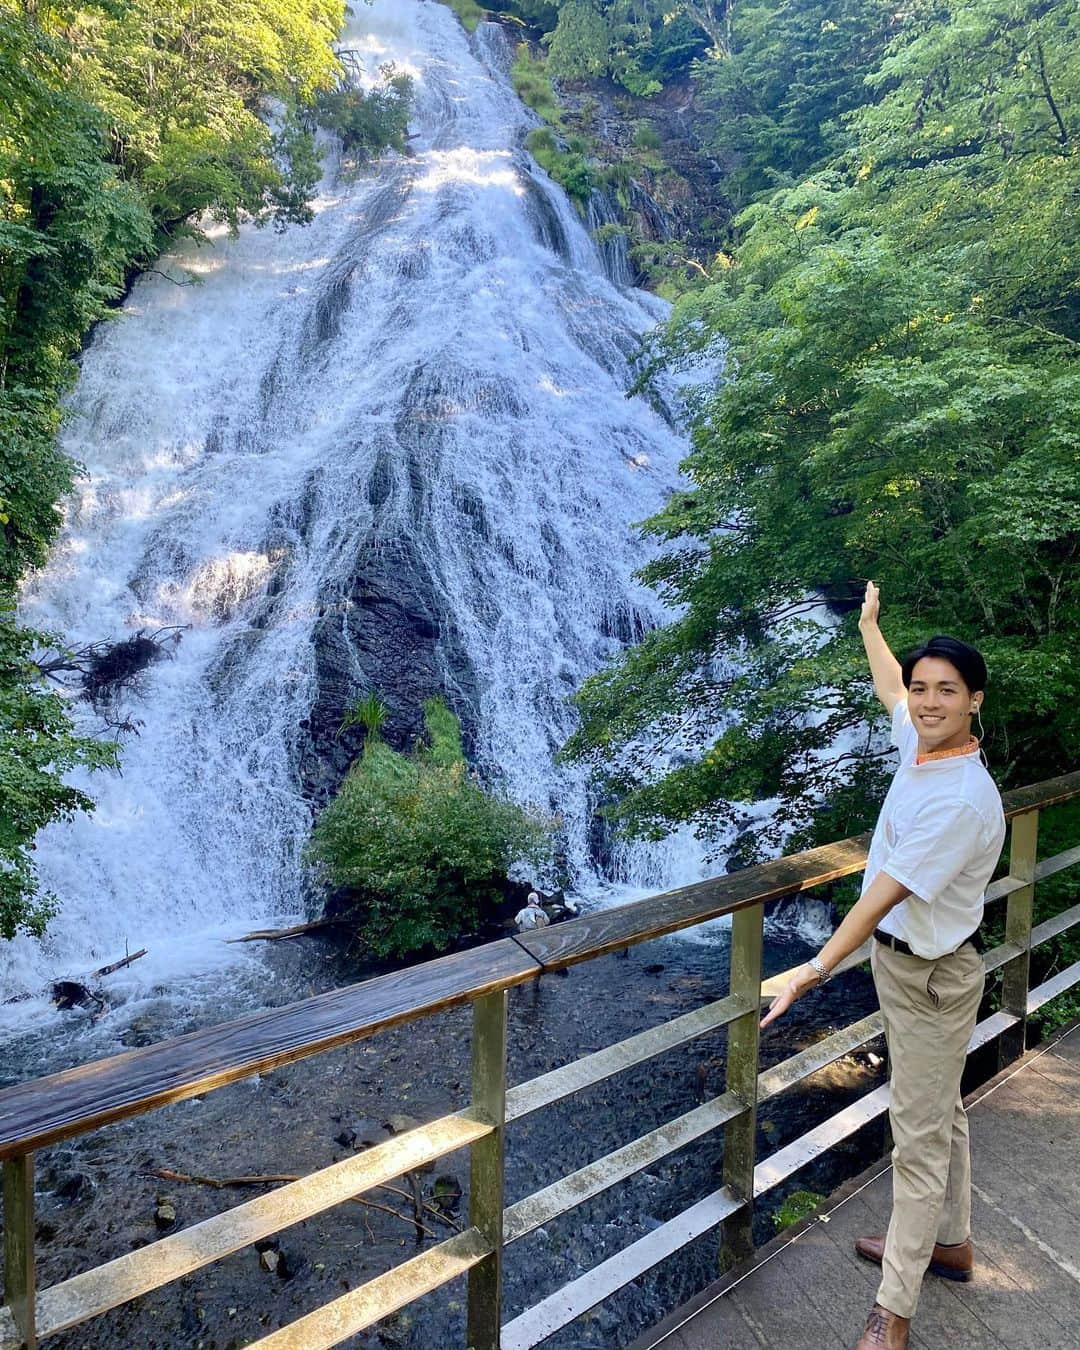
390	448
605	224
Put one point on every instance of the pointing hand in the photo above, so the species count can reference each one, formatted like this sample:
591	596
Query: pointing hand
806	977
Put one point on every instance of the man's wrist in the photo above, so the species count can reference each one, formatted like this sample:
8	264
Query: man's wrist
821	970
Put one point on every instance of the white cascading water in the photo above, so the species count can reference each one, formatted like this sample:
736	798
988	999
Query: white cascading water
444	323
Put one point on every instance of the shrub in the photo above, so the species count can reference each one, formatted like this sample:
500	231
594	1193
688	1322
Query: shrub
797	1206
532	84
421	848
569	168
368	122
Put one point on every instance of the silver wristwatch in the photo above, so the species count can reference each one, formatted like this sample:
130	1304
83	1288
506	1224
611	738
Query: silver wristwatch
824	973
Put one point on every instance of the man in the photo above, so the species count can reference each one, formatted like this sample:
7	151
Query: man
532	916
934	849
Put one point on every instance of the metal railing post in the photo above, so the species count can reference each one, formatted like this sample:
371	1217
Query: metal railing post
737	1240
486	1169
19	1245
1023	846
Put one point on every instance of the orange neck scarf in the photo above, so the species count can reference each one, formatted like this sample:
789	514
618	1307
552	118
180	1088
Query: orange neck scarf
969	749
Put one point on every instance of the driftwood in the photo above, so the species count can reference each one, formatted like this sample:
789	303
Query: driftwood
272	934
273	1178
222	1183
116	965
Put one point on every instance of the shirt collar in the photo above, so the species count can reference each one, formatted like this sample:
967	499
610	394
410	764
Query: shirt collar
971	748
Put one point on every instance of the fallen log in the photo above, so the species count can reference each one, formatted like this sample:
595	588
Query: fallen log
116	965
221	1183
272	934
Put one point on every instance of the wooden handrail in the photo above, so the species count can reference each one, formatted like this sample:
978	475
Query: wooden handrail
41	1112
46	1110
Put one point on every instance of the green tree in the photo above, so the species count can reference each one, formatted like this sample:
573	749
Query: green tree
183	87
421	848
901	403
638	43
775	109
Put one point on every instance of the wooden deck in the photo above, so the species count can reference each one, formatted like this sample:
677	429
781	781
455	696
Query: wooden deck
807	1290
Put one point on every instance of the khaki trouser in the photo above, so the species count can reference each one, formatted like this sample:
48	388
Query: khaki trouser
929	1010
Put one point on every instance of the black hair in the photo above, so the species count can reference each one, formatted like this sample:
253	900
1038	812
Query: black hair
967	660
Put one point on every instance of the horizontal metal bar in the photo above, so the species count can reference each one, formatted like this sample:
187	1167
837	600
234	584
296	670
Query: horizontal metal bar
1060	923
998	956
776	984
998	890
138	1272
1058	984
563	1195
1047	868
991	1029
1058	863
559	1309
352	1312
1050	866
797	1067
786	1161
582	1073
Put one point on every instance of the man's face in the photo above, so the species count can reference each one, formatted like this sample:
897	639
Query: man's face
940	704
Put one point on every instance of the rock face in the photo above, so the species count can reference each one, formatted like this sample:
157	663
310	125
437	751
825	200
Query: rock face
671	193
391	634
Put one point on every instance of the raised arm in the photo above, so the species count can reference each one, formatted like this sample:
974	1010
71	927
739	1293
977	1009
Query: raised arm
884	667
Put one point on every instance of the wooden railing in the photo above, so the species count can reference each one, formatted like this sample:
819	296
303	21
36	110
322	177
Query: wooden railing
36	1114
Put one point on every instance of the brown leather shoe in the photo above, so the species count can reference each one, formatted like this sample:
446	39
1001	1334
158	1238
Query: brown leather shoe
885	1330
951	1263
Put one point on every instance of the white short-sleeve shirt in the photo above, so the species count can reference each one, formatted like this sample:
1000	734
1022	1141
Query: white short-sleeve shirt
940	834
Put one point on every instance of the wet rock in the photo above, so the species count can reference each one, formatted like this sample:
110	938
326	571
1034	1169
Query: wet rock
360	1133
68	994
390	631
165	1213
446	1193
400	1123
75	1187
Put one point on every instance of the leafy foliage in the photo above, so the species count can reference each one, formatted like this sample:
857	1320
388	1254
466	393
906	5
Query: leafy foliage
568	166
639	44
372	120
901	401
776	107
36	749
532	84
796	1207
421	847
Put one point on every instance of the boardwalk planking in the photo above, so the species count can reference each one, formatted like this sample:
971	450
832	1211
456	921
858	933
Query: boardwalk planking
1026	1292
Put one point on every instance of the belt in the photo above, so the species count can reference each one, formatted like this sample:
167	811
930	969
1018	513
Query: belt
899	945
